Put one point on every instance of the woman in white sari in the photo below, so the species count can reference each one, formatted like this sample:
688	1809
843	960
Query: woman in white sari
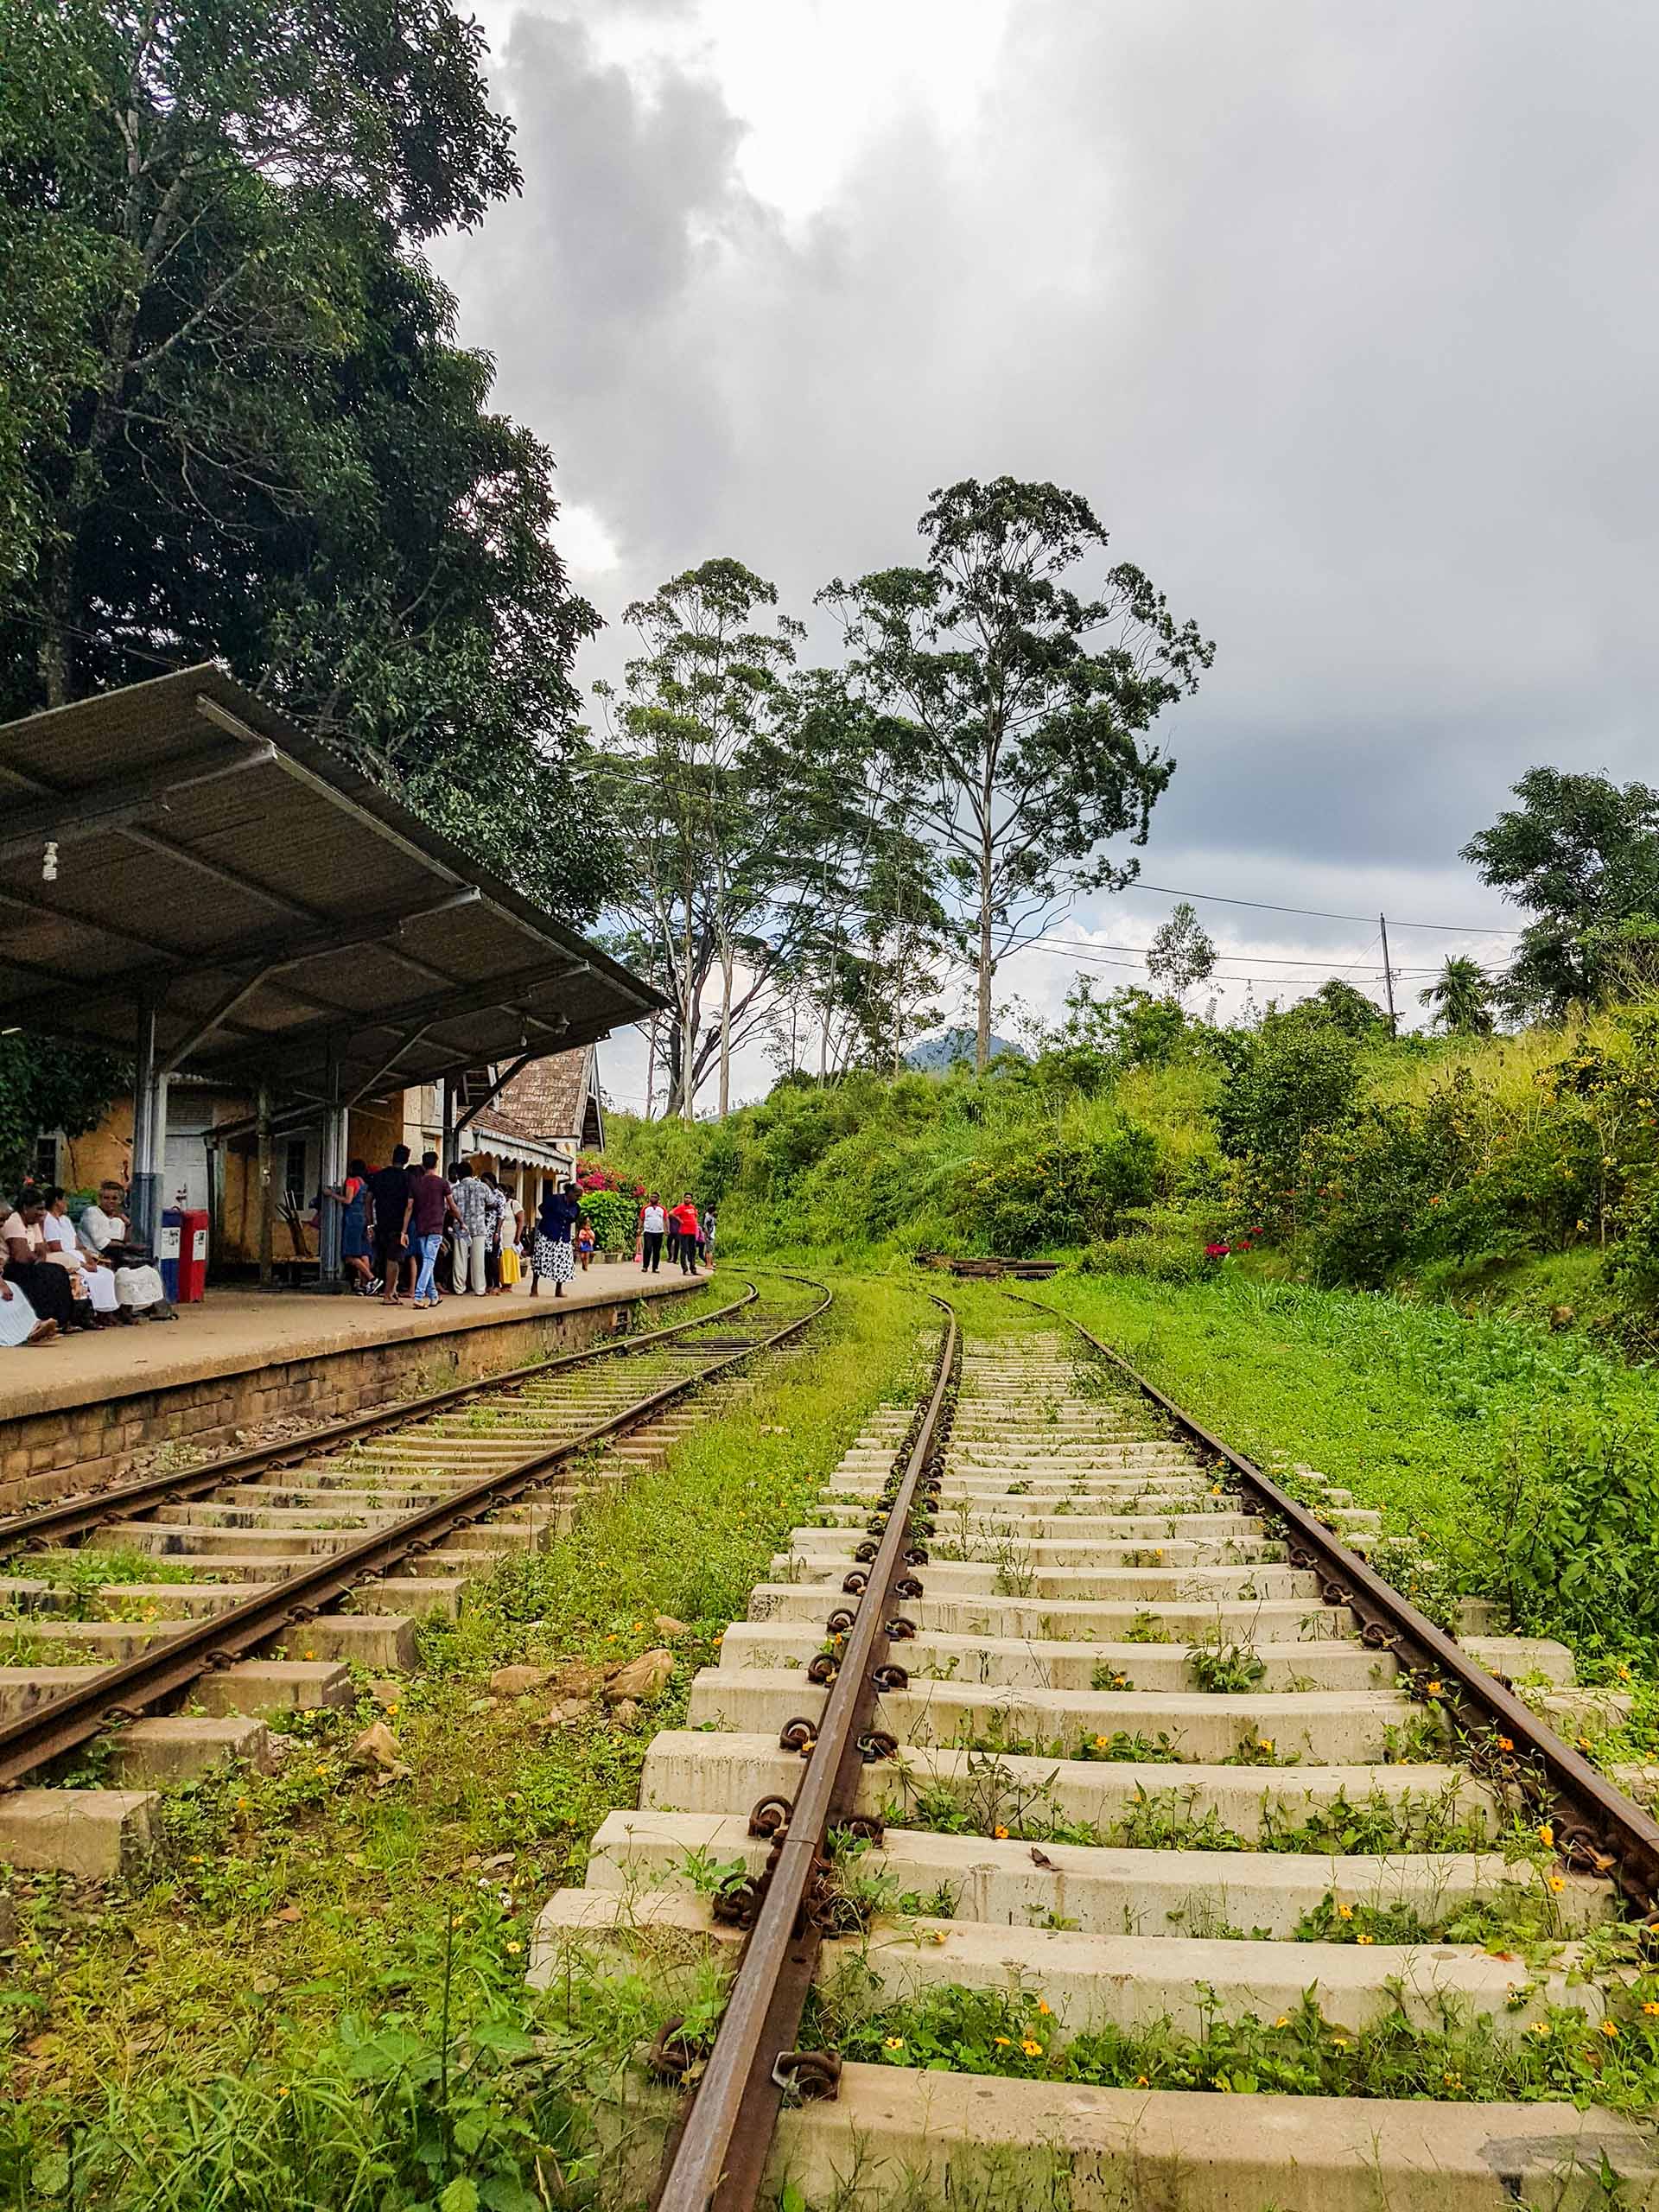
93	1277
19	1323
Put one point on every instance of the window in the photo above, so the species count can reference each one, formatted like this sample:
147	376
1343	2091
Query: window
43	1167
293	1174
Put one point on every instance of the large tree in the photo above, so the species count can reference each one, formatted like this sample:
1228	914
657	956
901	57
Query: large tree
688	780
234	422
1026	704
1581	854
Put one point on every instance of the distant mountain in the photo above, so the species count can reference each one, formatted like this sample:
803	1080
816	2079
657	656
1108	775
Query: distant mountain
934	1055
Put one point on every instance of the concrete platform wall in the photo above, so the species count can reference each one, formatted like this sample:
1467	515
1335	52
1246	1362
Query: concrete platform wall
50	1454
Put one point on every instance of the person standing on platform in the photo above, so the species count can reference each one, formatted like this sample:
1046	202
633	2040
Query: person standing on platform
495	1277
685	1219
476	1209
430	1207
556	1223
352	1196
707	1240
390	1205
585	1243
653	1224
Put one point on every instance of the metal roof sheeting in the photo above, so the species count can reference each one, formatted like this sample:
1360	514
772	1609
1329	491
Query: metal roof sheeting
275	904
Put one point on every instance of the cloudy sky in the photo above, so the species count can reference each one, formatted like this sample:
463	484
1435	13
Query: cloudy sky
1341	315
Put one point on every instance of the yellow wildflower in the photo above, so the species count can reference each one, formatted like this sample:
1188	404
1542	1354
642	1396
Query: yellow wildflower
1506	1743
1001	2043
893	2043
1651	2010
1546	1836
1365	1939
1141	2082
1341	2042
1557	1883
999	1833
1043	2006
1031	2049
1283	2020
1609	2028
1540	2027
1344	1913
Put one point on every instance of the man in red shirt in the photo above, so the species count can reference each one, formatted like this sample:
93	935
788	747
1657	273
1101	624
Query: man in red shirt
429	1206
685	1219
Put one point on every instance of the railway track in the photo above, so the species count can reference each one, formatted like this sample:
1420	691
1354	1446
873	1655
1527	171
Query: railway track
330	1546
1068	1782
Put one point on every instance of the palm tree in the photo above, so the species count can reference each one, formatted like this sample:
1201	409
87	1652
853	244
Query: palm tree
1461	996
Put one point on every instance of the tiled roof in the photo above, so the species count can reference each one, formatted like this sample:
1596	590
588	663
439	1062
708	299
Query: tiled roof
551	1098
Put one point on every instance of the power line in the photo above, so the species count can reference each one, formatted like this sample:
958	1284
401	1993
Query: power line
1339	965
1317	914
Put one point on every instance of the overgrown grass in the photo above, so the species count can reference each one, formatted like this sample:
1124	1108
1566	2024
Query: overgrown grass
1564	2053
1525	1464
317	2000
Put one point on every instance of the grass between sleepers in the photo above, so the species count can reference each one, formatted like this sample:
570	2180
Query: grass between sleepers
317	1998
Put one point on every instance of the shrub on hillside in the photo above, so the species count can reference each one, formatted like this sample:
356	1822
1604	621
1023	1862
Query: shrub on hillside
1025	1197
1287	1082
1161	1257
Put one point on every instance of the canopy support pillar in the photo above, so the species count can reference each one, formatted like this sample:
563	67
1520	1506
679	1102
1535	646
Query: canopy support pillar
149	1125
330	1214
262	1183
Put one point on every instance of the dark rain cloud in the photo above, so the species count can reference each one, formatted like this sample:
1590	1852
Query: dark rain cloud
1342	316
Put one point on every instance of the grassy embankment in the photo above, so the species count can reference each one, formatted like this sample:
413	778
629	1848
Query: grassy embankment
317	1998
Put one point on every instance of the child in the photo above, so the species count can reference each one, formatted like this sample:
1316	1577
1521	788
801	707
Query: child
585	1243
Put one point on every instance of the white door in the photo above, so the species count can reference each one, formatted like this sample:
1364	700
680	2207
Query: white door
187	1170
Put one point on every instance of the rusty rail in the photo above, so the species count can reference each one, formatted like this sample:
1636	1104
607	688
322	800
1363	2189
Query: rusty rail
717	2153
121	1692
75	1516
1596	1827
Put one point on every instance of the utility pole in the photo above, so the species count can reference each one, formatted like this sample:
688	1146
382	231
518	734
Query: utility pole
1388	976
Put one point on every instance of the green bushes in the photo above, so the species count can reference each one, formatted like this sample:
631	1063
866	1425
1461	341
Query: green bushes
1466	1168
613	1216
1028	1197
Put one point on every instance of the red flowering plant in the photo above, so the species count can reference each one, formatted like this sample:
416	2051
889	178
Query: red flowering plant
591	1176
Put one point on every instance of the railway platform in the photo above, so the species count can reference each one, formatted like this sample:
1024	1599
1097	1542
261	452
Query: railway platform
82	1411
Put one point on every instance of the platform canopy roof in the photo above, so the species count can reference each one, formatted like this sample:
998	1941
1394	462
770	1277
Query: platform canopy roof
178	843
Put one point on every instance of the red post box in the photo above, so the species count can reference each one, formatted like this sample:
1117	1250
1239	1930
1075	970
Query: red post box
193	1254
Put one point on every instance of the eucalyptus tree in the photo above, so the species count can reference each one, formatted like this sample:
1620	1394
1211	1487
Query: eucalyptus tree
698	806
1182	952
1021	706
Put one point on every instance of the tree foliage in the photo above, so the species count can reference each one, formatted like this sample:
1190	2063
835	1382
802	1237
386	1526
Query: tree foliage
1182	952
234	422
1461	996
46	1085
1021	709
1581	854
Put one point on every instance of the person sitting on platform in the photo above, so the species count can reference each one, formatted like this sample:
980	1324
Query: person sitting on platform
47	1288
19	1323
92	1278
104	1234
